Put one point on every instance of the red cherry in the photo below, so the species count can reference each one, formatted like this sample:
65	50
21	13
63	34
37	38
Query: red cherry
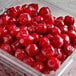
22	33
35	6
6	48
53	63
28	39
12	12
40	57
29	60
7	39
57	41
44	42
39	66
68	49
58	53
15	45
24	19
59	23
55	31
23	27
36	37
68	20
44	10
32	49
64	30
60	18
65	38
49	19
20	54
13	29
48	51
41	28
3	31
4	19
38	19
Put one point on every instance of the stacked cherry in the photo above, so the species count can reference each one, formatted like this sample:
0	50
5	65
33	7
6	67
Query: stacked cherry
36	37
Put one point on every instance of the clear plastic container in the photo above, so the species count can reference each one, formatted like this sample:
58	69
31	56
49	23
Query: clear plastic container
10	66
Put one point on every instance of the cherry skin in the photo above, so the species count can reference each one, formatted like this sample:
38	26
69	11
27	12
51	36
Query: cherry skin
44	42
49	19
7	39
29	60
44	10
57	41
36	37
3	31
6	48
20	54
4	19
41	28
40	58
65	38
68	20
12	12
39	66
68	49
32	49
22	33
59	23
53	63
23	27
35	6
58	53
48	51
24	19
28	39
60	18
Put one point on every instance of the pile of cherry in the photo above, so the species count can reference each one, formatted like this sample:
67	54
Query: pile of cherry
36	37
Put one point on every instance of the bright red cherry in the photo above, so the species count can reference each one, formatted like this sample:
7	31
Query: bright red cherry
36	37
64	30
59	23
3	31
28	39
55	31
68	20
38	19
41	28
68	49
22	33
32	49
49	19
7	39
53	63
60	18
12	12
48	51
44	10
57	41
24	19
12	20
29	60
19	10
66	38
44	42
4	19
58	53
35	6
39	66
20	54
15	45
40	57
23	27
6	48
13	29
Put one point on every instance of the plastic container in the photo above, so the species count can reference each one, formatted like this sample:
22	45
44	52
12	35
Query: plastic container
10	66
